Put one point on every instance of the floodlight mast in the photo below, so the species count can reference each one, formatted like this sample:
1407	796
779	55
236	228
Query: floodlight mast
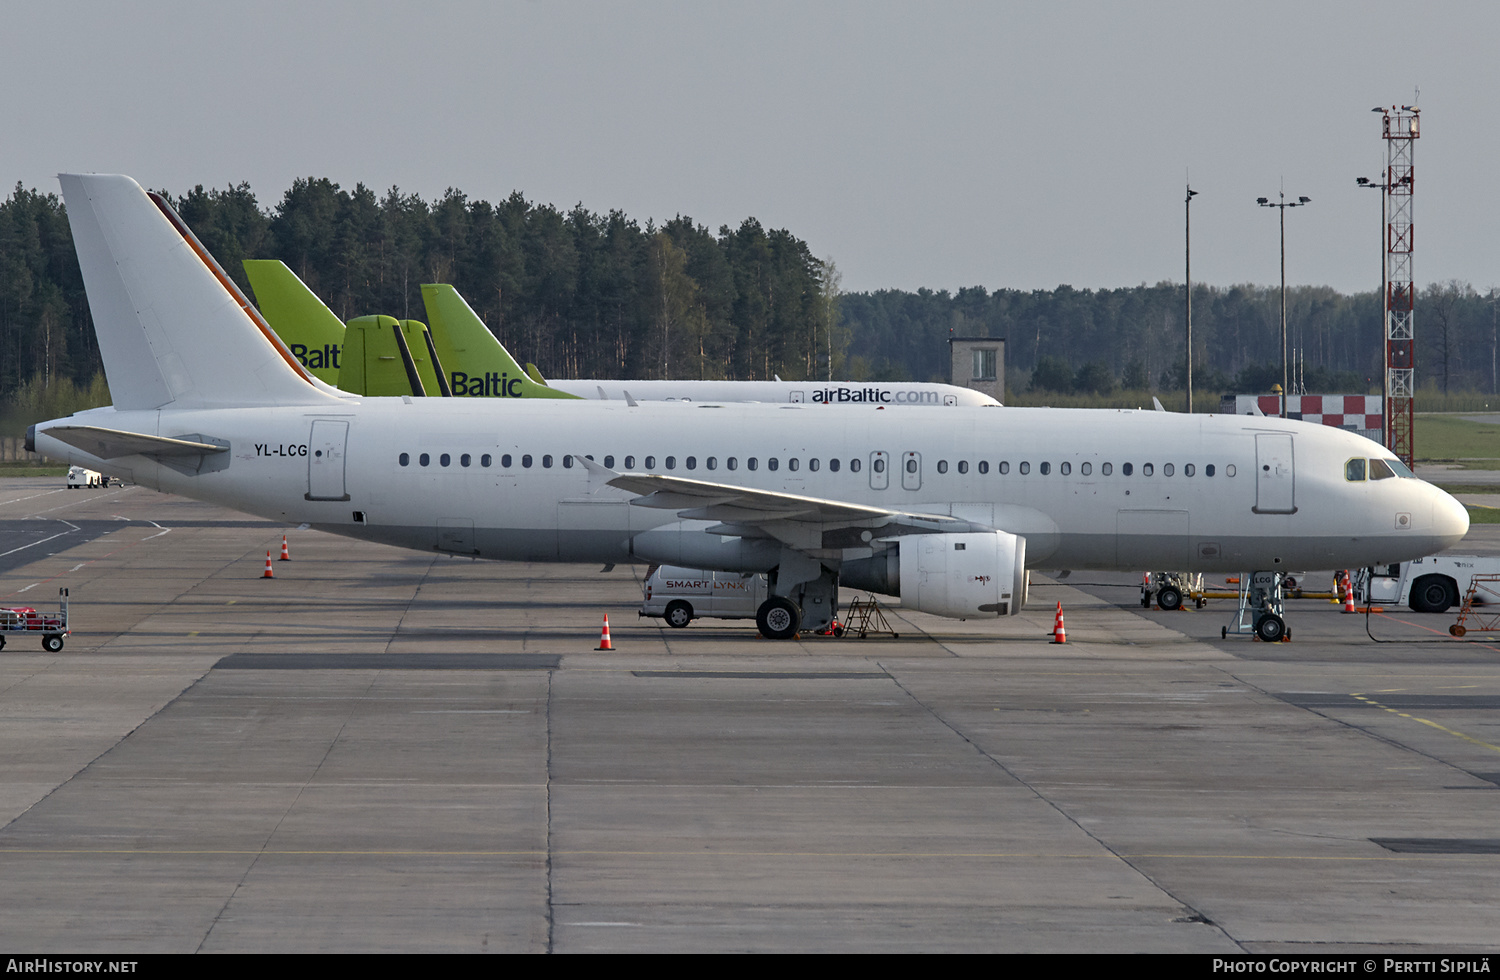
1281	207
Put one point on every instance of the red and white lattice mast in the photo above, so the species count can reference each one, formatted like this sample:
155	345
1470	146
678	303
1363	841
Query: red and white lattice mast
1401	132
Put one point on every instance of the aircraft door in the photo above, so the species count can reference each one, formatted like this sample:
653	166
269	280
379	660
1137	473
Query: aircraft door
880	470
325	460
1275	488
911	471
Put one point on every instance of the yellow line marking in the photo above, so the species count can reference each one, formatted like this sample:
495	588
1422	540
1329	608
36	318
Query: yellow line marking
1428	722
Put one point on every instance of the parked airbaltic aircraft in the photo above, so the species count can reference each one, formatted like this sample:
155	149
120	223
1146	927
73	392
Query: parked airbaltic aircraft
946	509
478	365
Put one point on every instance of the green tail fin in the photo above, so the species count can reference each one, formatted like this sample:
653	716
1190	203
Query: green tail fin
312	331
475	362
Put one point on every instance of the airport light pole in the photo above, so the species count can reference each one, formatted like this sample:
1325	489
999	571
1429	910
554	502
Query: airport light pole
1281	207
1385	299
1187	206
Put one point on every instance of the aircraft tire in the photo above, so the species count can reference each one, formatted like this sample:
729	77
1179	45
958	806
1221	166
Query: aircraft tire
678	614
1169	598
1270	628
778	618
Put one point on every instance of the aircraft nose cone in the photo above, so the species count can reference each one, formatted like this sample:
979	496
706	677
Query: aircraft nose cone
1450	519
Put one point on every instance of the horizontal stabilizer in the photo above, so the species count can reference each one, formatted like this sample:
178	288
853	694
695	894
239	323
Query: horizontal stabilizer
113	443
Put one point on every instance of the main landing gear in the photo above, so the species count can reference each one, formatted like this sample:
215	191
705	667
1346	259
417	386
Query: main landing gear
809	605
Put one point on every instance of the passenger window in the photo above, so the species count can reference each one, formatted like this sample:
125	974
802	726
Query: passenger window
1208	470
609	462
772	463
963	466
911	466
671	462
465	459
444	459
630	462
1002	467
650	462
792	464
485	461
1228	470
424	459
1188	469
1086	468
752	463
526	461
984	466
812	464
547	462
1065	469
732	463
1127	468
692	462
405	459
1025	467
1354	470
1045	468
712	463
942	466
1107	469
1146	469
1166	469
854	465
567	462
833	465
1380	471
505	461
880	466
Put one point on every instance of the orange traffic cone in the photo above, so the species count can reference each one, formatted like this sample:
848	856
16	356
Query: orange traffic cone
285	555
269	573
1348	594
1059	635
604	643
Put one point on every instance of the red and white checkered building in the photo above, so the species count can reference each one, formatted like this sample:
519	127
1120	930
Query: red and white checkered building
1364	414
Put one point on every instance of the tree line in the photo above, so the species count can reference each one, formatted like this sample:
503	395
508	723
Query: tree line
1080	340
585	294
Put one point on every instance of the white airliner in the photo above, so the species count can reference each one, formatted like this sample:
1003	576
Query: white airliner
945	509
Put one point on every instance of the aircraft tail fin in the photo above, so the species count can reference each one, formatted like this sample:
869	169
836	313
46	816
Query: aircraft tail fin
172	329
314	333
477	363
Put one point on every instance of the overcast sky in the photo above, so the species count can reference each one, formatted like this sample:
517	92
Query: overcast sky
942	145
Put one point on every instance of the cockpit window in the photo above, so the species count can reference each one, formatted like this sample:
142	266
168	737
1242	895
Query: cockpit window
1354	470
1380	470
1401	469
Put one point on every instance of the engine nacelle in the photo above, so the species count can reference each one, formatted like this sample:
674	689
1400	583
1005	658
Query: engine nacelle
962	576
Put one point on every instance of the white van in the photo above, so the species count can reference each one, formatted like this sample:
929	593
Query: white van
80	477
681	595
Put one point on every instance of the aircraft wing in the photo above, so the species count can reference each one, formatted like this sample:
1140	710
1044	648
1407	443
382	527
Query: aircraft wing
114	443
815	524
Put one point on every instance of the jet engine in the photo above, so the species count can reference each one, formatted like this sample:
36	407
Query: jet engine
977	574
